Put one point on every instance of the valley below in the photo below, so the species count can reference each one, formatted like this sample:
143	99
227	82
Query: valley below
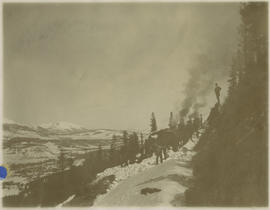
31	153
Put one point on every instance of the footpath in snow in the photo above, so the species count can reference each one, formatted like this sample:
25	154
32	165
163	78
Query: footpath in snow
148	184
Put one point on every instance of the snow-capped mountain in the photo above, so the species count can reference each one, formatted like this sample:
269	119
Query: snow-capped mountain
61	126
55	131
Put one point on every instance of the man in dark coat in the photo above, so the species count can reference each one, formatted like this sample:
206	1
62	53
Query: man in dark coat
217	91
158	152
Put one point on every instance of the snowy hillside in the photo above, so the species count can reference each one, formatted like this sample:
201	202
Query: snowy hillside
170	180
34	151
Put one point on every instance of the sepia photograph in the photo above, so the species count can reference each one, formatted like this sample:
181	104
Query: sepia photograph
134	104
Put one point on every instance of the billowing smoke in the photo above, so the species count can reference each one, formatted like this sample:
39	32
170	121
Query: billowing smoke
202	77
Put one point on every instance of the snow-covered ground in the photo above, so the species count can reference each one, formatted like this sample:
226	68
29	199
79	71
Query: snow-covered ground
170	177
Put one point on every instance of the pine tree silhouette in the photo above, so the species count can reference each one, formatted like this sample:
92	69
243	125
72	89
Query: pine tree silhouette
172	123
153	122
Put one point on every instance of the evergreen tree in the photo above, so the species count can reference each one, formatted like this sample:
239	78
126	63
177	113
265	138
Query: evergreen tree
142	140
136	143
114	139
172	124
125	149
133	146
113	149
61	161
142	145
125	138
100	153
233	79
153	122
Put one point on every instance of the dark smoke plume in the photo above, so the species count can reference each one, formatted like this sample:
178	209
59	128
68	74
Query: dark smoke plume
202	77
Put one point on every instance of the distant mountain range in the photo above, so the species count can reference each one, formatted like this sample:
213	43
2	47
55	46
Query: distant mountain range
54	131
62	126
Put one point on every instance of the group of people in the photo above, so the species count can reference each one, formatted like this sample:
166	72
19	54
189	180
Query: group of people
164	139
175	138
160	141
186	130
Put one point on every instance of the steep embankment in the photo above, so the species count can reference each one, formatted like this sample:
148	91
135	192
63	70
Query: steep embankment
231	167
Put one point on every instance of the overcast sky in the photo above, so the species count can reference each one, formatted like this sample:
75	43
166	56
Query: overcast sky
108	65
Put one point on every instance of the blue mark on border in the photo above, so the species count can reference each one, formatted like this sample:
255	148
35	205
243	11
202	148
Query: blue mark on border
3	172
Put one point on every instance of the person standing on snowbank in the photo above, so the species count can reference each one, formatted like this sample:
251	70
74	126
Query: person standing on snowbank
217	91
158	152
